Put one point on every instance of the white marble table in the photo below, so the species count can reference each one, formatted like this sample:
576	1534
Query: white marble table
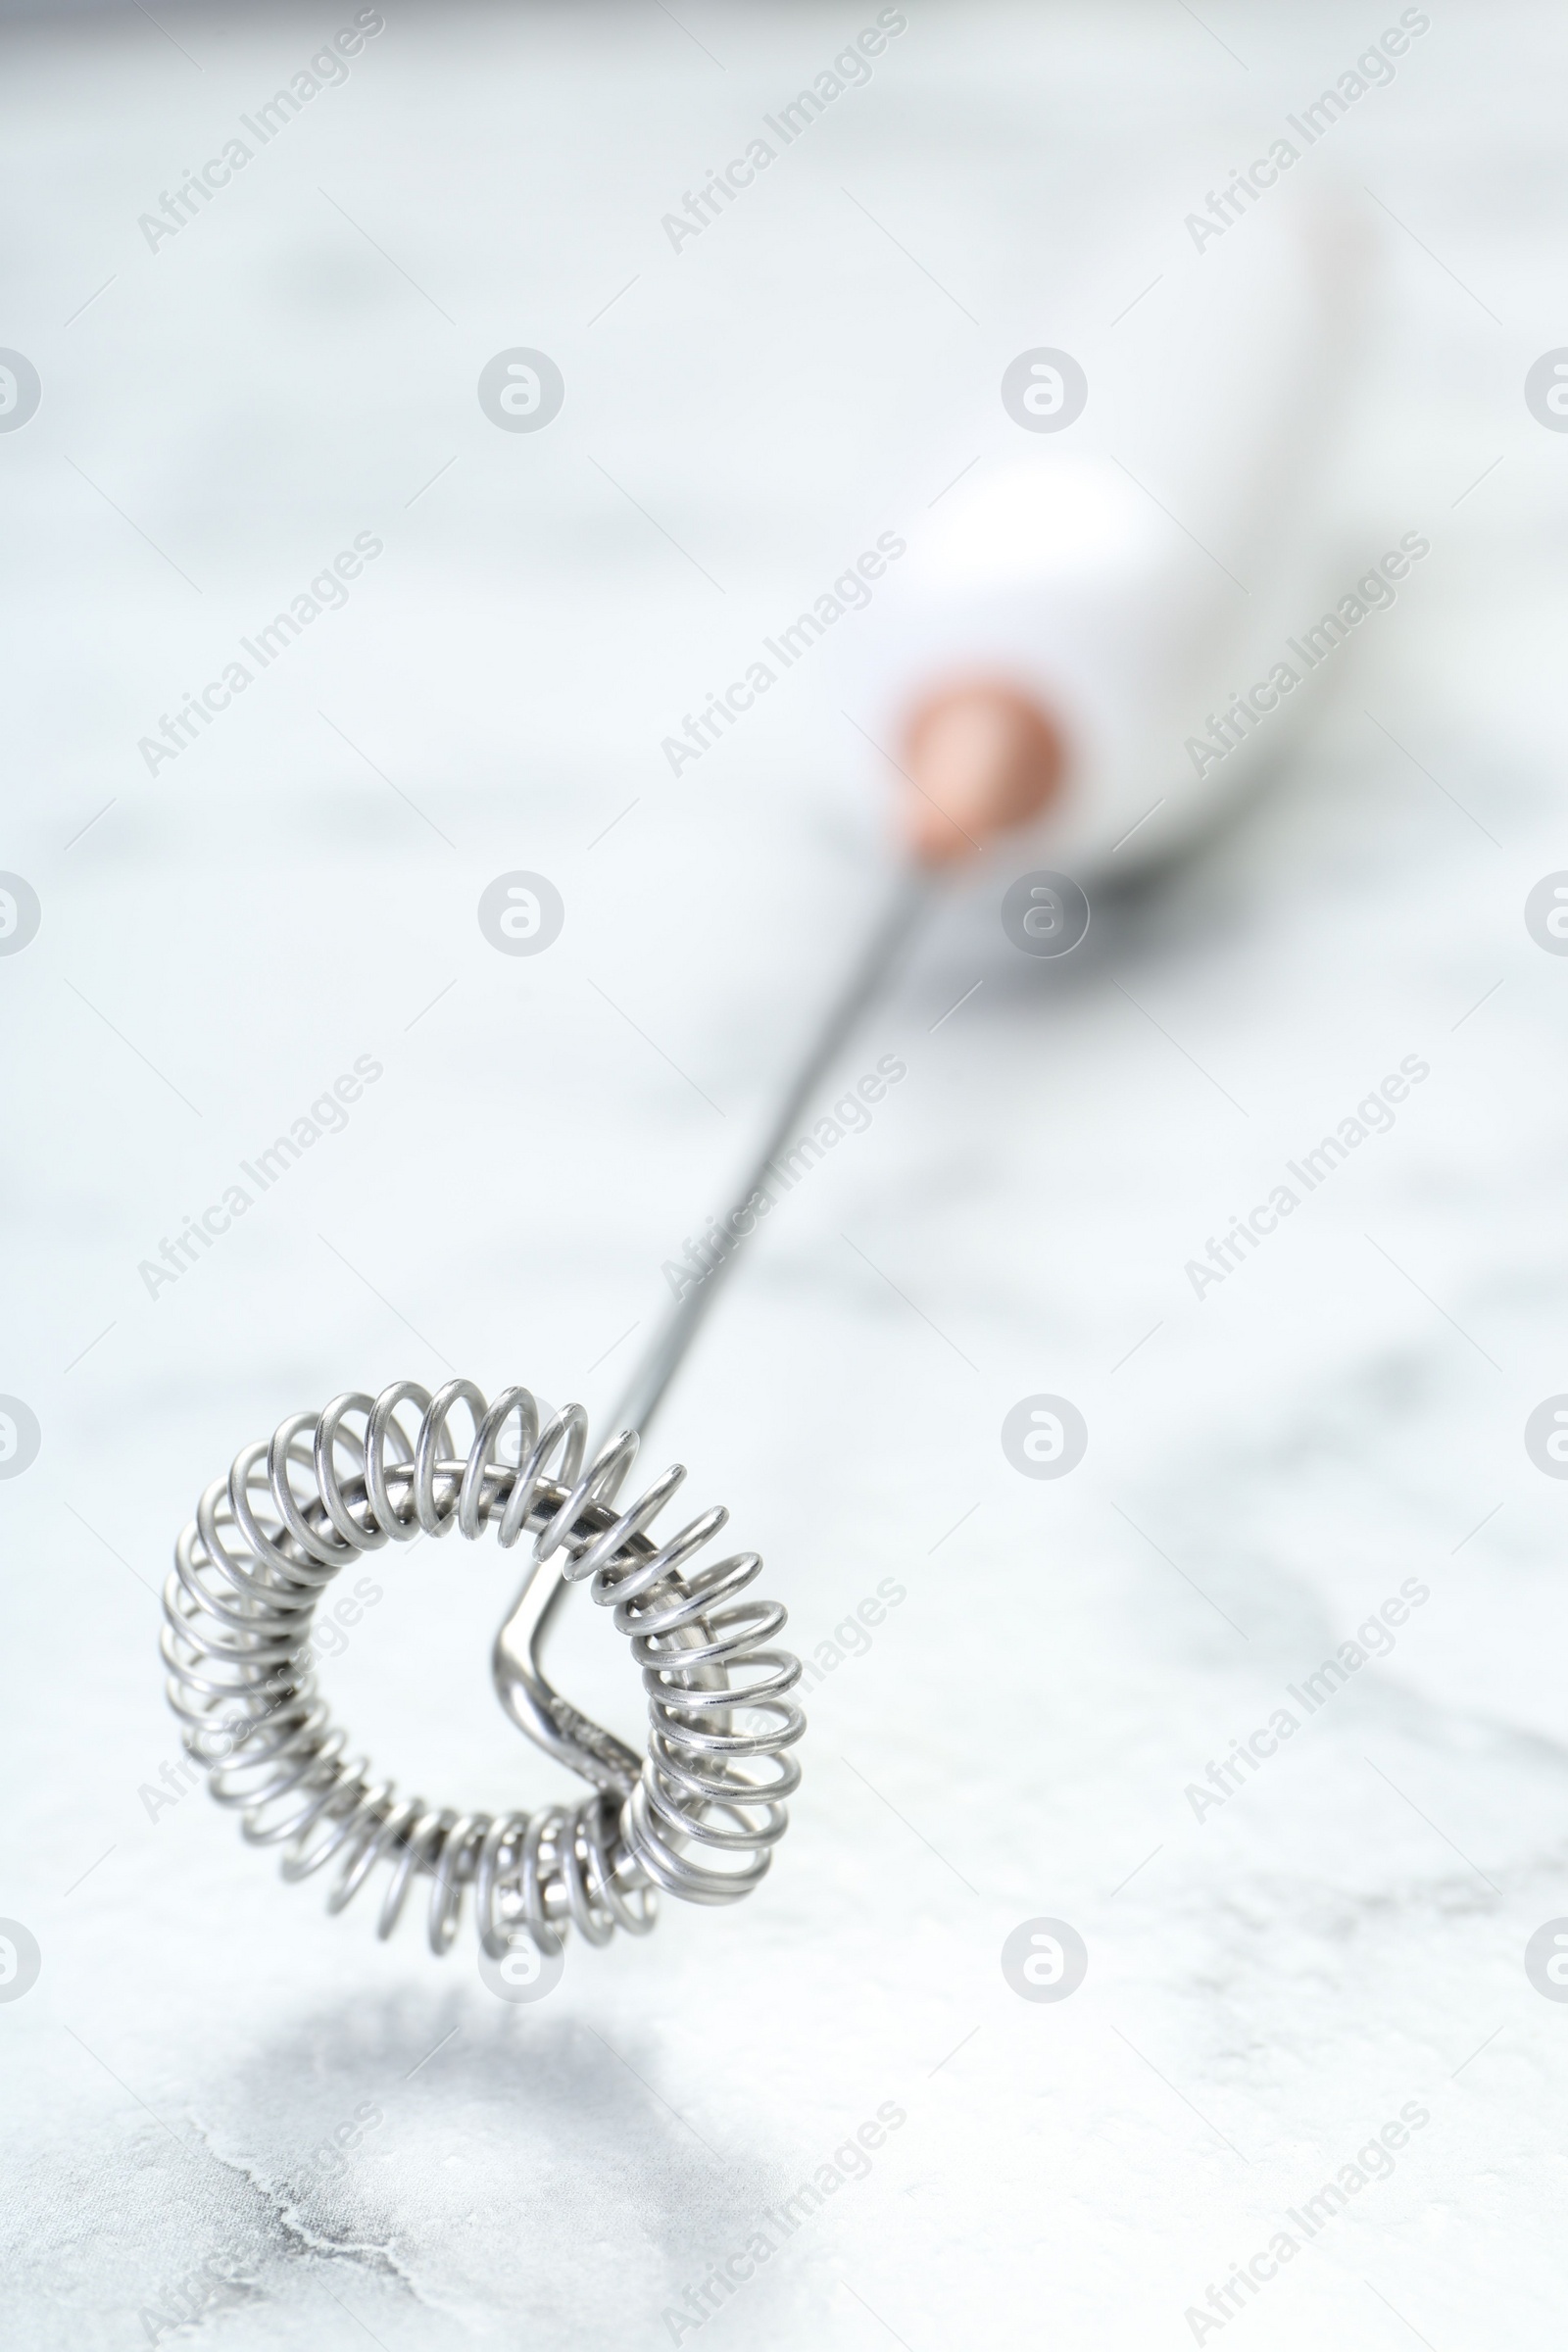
1271	1979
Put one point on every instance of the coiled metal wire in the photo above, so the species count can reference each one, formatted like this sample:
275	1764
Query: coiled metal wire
700	1819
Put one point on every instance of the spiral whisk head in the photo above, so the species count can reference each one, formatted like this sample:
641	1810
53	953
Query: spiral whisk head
701	1815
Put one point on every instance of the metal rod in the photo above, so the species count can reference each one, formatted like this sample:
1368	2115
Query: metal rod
524	1688
901	917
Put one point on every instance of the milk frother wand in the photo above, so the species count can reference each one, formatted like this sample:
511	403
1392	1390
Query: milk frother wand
698	1814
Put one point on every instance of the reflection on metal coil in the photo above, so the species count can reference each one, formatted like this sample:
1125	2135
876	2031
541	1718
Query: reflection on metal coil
700	1818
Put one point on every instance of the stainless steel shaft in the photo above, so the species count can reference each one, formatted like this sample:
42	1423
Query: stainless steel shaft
899	918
